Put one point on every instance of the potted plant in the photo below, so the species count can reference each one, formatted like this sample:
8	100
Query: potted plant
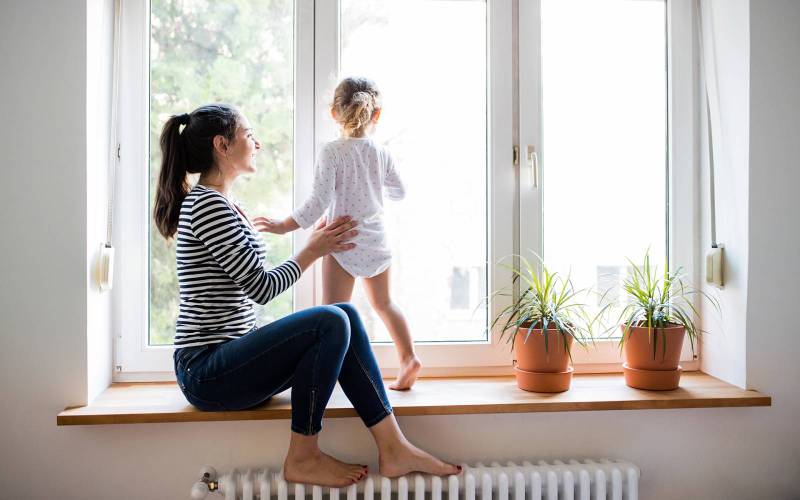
541	325
654	322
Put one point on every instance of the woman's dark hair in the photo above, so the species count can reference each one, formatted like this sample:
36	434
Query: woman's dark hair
190	151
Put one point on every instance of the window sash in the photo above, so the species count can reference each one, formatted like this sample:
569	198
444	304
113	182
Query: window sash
682	174
447	355
316	57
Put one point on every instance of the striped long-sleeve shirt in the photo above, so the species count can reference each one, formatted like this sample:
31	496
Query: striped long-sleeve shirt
220	259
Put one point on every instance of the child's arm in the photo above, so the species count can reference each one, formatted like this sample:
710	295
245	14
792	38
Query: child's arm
321	194
395	190
267	225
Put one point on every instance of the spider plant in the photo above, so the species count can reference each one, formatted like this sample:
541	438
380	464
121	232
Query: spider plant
659	301
546	300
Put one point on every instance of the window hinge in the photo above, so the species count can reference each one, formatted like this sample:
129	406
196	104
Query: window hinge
516	156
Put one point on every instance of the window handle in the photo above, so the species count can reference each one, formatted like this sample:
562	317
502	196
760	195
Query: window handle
533	159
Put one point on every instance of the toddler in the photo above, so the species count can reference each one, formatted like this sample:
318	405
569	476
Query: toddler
349	179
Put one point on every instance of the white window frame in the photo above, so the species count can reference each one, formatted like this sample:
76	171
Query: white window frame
316	58
133	358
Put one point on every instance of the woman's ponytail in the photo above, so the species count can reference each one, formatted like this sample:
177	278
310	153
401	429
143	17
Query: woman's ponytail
188	151
172	185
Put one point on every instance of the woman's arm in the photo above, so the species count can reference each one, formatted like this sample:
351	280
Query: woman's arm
216	225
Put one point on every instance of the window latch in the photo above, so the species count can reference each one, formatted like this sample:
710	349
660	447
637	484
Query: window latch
533	159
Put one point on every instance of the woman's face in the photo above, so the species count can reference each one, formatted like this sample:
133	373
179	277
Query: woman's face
244	148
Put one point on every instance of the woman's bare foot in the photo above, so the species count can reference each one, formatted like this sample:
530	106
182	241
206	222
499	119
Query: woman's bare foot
305	463
409	369
322	469
404	458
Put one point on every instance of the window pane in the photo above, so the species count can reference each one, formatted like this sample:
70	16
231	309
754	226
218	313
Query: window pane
236	52
605	145
434	120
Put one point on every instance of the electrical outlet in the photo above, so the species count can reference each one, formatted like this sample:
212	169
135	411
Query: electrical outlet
715	262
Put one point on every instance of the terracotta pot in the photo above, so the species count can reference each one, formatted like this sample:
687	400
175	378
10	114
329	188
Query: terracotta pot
652	356
532	356
542	381
541	369
640	342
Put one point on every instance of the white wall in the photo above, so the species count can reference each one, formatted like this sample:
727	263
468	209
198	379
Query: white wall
714	453
773	336
726	43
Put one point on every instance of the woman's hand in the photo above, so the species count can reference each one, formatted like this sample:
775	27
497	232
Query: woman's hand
267	225
327	238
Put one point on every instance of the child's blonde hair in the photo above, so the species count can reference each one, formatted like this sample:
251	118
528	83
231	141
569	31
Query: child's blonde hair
355	102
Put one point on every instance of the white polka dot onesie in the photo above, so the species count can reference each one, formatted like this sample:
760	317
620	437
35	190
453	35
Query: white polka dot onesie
349	178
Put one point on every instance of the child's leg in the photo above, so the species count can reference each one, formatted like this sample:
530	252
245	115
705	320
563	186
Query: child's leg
377	289
337	284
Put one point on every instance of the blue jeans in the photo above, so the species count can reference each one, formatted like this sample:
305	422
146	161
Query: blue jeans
308	351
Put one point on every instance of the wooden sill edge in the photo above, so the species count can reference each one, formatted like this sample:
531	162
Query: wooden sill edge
162	402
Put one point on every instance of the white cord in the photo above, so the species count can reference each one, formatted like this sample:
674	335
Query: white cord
706	85
114	153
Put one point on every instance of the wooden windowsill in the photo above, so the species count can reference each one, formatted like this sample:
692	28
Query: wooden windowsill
136	403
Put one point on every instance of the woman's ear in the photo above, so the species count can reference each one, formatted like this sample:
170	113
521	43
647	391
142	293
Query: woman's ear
220	145
334	114
376	115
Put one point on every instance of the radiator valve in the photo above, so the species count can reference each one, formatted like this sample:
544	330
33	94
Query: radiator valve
207	484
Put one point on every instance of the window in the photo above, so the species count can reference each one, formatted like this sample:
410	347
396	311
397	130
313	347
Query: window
600	84
592	107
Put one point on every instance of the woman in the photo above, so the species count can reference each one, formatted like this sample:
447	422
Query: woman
222	361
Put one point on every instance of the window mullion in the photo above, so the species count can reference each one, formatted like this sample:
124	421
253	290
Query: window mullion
325	71
530	134
304	144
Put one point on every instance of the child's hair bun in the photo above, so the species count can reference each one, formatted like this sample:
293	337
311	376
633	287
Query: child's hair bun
355	102
362	97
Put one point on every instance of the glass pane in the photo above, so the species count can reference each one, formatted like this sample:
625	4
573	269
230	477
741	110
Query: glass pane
605	145
434	90
236	52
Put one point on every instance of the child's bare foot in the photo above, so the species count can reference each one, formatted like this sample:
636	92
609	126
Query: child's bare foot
323	470
406	458
409	369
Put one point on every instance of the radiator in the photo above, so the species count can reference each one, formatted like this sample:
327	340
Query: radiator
557	480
